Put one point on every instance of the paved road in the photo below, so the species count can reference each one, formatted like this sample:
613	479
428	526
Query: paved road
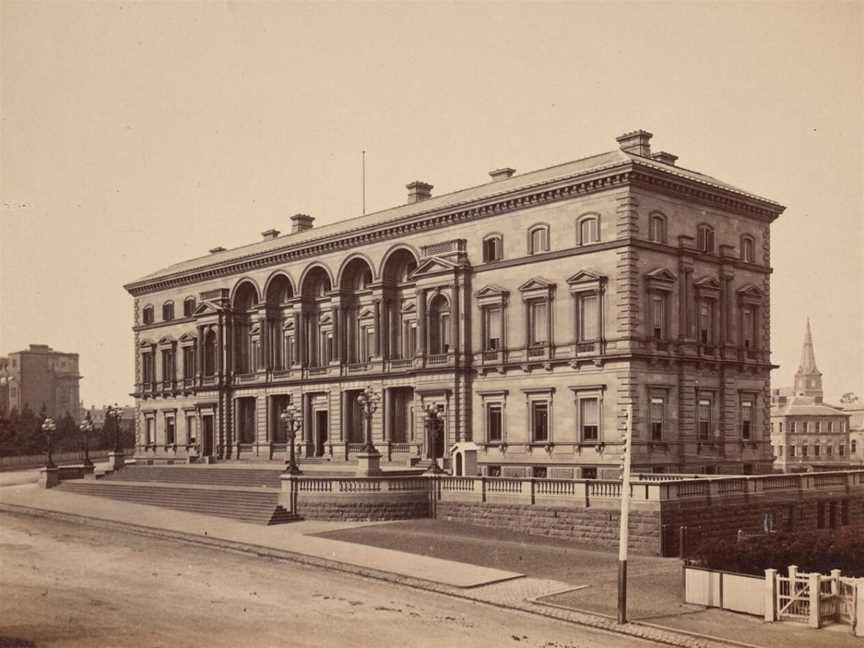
68	585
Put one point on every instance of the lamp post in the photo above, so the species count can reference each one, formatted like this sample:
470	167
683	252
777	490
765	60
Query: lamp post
86	428
369	460
433	423
48	427
292	418
116	414
624	521
369	400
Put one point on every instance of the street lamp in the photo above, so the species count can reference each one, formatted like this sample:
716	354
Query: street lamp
292	418
369	400
48	427
86	428
434	422
116	414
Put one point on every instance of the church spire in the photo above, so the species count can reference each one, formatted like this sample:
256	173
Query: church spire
808	379
808	356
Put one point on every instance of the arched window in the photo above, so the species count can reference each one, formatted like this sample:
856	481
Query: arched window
747	249
147	314
492	248
588	230
705	238
657	228
188	307
168	311
538	239
439	325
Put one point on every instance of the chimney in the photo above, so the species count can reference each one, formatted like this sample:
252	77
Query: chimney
418	191
664	157
218	248
301	223
636	143
502	174
270	234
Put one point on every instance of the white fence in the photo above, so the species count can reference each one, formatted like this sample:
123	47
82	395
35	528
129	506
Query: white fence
814	599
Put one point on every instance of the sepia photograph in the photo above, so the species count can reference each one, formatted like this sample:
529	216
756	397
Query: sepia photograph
482	324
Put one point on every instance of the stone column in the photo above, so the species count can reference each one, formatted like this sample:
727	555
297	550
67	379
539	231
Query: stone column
342	339
378	337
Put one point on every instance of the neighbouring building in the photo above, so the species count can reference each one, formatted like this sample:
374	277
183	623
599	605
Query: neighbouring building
40	376
97	415
806	432
531	311
855	410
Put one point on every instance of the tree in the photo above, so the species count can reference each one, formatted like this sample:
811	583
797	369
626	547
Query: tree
849	398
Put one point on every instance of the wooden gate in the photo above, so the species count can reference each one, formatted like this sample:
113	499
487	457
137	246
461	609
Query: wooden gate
793	597
846	611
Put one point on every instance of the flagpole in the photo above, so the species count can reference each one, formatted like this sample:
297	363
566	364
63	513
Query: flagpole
363	173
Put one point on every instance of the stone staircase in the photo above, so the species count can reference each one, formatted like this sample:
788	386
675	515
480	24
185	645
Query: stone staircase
248	495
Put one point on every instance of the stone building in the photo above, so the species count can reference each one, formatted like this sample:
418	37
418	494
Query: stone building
531	311
40	376
806	432
856	432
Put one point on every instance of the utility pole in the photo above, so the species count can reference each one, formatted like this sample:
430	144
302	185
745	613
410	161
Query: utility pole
624	531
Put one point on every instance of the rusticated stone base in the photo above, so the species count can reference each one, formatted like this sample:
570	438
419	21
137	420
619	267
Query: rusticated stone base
594	526
365	511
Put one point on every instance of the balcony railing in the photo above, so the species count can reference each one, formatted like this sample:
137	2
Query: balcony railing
537	351
586	347
358	367
401	363
437	359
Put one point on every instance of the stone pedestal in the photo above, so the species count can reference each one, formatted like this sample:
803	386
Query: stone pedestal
116	460
368	464
49	477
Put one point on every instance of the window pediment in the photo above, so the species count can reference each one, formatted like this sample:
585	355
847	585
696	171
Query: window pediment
187	338
366	313
707	283
433	266
585	280
409	307
325	318
207	308
166	341
749	290
492	295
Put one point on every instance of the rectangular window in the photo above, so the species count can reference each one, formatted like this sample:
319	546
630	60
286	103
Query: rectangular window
587	317
704	419
146	368
817	450
410	339
539	472
791	450
657	411
658	317
493	471
853	449
367	343
445	333
538	323
191	434
494	424
492	249
793	427
539	243
167	366
189	362
589	418
829	450
169	431
830	426
818	427
492	329
804	450
539	421
589	473
780	451
746	419
150	432
706	322
749	327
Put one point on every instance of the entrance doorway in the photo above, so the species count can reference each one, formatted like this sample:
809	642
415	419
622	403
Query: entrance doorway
321	432
207	435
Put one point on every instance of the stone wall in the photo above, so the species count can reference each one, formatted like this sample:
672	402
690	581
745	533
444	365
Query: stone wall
595	526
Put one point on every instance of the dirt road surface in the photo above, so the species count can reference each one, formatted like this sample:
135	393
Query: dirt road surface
63	584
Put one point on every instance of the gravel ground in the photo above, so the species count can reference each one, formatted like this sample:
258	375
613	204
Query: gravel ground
63	584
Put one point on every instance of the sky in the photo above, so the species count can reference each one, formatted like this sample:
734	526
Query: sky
135	135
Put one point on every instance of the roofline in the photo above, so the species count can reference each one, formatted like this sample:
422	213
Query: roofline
598	179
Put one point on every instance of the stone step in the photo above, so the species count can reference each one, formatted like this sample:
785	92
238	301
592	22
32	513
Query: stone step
254	507
198	475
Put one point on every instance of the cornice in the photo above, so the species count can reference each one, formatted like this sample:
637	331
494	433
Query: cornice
592	182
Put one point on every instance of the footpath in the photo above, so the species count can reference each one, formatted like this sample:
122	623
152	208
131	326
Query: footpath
534	575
